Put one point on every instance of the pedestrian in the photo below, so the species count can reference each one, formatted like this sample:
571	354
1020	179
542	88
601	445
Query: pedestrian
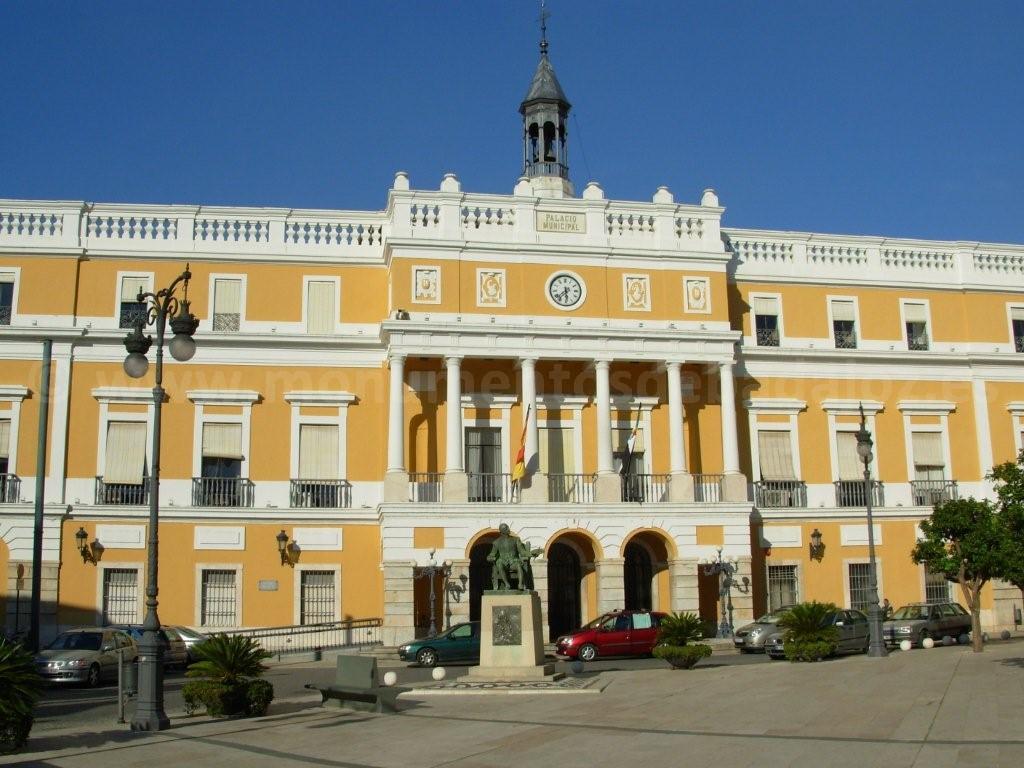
886	609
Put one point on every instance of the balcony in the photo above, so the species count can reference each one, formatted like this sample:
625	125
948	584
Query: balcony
708	488
571	489
492	488
850	493
320	494
928	493
122	493
10	488
774	494
645	488
222	492
426	487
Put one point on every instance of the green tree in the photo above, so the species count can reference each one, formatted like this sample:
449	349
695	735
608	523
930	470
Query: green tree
1009	480
965	539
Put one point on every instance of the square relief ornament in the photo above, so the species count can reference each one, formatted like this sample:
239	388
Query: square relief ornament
490	287
696	294
636	292
426	285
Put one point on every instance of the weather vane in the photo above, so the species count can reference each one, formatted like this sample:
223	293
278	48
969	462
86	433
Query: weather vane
544	14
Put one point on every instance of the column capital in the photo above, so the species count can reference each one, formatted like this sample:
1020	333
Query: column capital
669	365
726	363
450	360
602	363
529	361
396	357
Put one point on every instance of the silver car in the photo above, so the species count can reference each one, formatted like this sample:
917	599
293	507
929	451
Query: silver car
85	655
750	638
851	626
918	621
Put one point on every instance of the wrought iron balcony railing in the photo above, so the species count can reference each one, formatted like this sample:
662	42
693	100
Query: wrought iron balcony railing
928	493
122	493
10	488
780	493
851	493
645	488
222	492
426	487
767	337
708	488
571	489
492	487
321	494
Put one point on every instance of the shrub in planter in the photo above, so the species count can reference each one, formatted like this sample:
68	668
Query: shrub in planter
216	698
808	650
810	635
675	634
20	686
682	656
228	669
258	695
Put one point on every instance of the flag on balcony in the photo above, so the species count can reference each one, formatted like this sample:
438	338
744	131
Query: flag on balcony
519	470
627	460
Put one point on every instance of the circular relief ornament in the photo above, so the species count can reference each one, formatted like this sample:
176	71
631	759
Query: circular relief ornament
565	290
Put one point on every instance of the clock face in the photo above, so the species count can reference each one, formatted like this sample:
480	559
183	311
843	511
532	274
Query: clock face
565	290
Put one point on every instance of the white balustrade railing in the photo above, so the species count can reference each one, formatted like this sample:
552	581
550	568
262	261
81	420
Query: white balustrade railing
131	227
31	224
232	230
487	217
630	224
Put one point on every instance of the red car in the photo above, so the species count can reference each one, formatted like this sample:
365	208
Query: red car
619	633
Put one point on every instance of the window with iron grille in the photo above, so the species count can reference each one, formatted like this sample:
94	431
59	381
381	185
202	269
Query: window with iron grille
861	596
766	320
844	324
915	316
120	595
6	299
317	596
782	586
131	309
1018	332
219	599
227	305
937	589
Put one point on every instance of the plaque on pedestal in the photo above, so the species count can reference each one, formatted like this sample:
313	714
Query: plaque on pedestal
511	638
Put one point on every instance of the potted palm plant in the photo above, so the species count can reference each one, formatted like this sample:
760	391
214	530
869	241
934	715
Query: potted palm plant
677	643
20	686
227	672
810	635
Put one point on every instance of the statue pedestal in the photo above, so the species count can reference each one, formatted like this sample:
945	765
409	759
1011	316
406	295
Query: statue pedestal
511	639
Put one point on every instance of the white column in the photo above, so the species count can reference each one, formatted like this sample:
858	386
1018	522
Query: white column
528	370
730	447
677	458
453	439
983	432
396	415
604	419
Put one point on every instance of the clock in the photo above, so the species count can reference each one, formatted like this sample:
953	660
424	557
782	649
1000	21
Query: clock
566	290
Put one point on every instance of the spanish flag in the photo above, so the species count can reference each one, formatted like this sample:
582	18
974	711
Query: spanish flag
519	470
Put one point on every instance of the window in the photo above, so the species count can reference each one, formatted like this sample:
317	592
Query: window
483	463
227	305
6	298
120	595
220	481
556	451
5	441
937	589
861	594
219	599
317	598
1017	324
124	470
318	466
844	324
131	309
929	485
782	586
775	452
915	318
637	465
320	310
766	320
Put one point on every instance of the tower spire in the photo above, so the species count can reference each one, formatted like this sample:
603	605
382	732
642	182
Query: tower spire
544	14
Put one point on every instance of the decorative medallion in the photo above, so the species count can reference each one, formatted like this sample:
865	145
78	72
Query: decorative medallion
636	292
426	285
490	287
696	294
508	625
565	290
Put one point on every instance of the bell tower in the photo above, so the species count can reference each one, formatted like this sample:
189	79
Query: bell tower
545	112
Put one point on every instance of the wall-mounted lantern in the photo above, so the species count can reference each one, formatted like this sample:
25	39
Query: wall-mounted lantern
91	552
817	546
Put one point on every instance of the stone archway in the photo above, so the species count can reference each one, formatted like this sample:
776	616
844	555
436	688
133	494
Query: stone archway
646	577
571	594
479	572
638	572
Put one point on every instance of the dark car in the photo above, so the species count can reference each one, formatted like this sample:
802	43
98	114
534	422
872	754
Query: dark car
851	625
918	621
87	655
460	643
619	633
175	650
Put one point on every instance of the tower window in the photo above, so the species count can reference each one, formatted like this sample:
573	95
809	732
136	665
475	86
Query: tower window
549	143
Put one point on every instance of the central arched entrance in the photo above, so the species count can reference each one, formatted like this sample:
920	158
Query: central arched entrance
565	576
479	573
639	571
646	585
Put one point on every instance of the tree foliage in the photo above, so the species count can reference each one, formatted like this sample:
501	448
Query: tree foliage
1009	480
228	659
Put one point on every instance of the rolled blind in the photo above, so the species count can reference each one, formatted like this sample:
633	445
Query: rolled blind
318	452
320	313
5	439
842	310
776	455
556	451
850	465
222	441
765	306
227	299
131	285
928	449
126	453
622	437
914	313
1017	313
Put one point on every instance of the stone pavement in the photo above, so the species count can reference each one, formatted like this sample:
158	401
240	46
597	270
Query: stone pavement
940	707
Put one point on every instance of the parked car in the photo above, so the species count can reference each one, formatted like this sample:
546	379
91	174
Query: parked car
85	655
852	626
192	638
917	621
460	643
175	651
750	638
619	633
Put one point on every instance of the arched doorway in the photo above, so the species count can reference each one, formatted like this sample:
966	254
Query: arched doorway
565	574
479	573
639	571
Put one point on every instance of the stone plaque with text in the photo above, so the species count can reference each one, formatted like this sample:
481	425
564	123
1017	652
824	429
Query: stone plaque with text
561	221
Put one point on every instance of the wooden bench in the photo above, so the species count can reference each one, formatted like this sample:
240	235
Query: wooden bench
355	684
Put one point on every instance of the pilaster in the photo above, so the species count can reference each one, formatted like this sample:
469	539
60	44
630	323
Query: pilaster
680	487
743	593
611	591
457	593
684	585
399	621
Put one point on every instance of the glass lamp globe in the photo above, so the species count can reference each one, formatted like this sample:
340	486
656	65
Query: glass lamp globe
136	365
182	347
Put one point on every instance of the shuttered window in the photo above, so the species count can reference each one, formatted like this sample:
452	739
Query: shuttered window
775	452
927	447
125	460
850	465
318	452
5	438
1017	321
227	305
620	436
6	297
843	310
556	451
132	310
765	305
222	441
320	311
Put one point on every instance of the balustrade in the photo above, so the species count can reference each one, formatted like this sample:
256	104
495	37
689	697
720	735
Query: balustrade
10	488
320	494
708	488
492	487
780	493
222	492
850	493
928	493
122	493
426	487
645	489
571	488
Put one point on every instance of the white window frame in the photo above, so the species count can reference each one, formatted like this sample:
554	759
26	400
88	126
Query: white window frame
1016	409
798	572
242	299
306	280
239	582
101	578
108	396
574	404
15	273
297	589
857	330
753	322
836	408
340	401
150	278
236	398
782	406
926	303
1010	306
847	562
11	397
502	403
624	408
940	408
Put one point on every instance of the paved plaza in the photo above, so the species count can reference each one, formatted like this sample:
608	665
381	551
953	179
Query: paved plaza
939	707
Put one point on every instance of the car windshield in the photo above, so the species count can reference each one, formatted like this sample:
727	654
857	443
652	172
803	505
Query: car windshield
77	641
911	612
773	617
189	634
599	621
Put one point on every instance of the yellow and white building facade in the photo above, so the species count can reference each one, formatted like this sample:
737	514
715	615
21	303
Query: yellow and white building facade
363	382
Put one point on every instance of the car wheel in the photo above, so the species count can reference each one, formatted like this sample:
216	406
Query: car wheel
427	657
588	652
93	678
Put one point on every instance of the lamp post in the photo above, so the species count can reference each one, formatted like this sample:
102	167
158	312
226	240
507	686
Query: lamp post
876	648
429	572
159	306
725	569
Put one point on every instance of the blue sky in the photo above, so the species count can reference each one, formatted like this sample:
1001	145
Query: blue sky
887	118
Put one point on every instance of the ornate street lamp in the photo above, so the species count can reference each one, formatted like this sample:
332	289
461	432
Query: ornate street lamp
864	445
159	306
725	569
429	572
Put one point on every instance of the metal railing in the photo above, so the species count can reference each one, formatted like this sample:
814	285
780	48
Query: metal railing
547	168
645	488
571	489
222	492
928	493
5	314
320	494
312	637
122	493
10	488
491	487
1018	342
846	334
850	493
917	342
780	493
426	487
767	337
707	488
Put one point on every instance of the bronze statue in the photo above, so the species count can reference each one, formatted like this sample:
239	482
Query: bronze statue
511	555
